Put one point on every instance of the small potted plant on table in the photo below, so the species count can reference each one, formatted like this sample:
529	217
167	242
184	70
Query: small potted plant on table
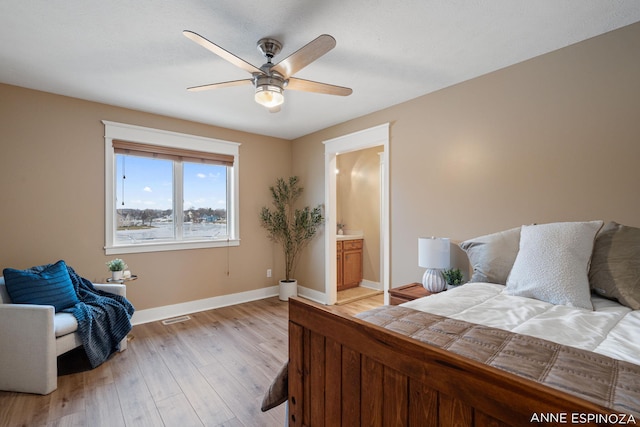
453	277
117	268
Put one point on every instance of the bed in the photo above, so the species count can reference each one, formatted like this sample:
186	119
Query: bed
547	332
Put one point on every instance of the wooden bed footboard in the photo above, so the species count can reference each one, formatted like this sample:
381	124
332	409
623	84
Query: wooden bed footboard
346	372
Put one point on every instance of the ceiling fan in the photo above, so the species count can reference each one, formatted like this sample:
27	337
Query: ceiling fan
271	79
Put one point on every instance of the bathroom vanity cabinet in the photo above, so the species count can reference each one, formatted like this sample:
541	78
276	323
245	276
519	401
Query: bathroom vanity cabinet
349	263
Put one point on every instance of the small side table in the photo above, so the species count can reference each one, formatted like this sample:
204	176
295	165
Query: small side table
407	293
123	280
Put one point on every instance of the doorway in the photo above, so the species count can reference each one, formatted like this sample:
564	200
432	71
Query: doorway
373	137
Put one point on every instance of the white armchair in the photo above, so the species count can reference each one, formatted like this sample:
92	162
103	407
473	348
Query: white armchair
31	339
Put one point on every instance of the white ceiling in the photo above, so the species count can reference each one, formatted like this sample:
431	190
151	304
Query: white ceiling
132	53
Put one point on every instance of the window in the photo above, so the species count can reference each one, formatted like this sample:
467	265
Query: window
168	191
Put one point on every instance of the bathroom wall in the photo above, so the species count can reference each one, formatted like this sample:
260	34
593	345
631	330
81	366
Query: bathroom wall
358	203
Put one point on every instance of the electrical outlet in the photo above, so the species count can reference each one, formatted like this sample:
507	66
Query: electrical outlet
268	272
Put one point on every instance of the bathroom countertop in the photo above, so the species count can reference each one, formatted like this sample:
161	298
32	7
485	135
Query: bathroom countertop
340	237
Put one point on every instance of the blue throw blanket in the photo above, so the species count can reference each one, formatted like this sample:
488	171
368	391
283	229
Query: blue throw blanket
104	319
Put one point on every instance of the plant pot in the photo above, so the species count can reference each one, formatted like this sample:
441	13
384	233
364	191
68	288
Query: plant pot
288	289
117	275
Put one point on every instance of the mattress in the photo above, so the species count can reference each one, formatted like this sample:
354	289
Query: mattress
611	329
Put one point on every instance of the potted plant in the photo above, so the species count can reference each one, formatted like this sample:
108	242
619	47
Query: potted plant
453	276
117	268
292	228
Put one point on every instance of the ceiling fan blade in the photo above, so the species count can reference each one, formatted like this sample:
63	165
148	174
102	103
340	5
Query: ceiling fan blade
305	55
222	53
220	85
317	87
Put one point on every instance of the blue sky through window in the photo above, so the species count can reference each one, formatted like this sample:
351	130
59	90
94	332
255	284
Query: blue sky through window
148	184
205	186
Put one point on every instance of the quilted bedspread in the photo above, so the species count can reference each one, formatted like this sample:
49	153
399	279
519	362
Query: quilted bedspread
595	377
610	329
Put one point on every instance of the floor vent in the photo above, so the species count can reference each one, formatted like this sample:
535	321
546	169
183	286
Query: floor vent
176	320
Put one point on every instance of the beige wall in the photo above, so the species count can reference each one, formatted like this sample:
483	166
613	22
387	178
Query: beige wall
555	138
358	203
52	187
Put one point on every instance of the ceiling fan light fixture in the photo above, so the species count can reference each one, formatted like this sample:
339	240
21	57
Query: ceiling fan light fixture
269	91
269	96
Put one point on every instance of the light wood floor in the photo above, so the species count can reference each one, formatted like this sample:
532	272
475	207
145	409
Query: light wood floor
212	370
353	294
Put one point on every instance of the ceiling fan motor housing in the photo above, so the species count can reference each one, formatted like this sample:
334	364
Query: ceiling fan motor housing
269	47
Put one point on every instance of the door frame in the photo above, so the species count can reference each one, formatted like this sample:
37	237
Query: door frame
367	138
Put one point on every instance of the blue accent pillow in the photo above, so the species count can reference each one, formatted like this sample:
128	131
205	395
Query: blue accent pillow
48	285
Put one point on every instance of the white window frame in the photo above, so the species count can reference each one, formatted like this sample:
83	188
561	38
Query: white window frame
162	138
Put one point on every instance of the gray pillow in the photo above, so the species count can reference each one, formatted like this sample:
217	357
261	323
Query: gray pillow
553	263
492	256
615	265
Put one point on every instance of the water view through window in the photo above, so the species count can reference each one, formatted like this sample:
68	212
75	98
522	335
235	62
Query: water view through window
146	191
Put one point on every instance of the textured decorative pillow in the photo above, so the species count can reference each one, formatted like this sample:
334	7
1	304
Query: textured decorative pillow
553	263
615	265
493	255
278	390
50	285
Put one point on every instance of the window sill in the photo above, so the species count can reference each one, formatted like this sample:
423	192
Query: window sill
172	246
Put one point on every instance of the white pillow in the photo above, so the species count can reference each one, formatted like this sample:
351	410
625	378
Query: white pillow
552	264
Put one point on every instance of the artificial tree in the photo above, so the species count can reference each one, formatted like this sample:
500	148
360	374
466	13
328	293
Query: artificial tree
288	226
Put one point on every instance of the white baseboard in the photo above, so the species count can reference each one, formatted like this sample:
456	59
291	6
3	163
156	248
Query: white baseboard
174	310
313	295
371	285
167	311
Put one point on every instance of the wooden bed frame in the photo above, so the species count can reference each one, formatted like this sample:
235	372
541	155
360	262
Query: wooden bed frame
347	372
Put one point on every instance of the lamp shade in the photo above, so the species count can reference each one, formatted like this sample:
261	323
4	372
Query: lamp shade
433	252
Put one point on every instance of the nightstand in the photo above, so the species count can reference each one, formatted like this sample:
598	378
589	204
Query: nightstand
407	293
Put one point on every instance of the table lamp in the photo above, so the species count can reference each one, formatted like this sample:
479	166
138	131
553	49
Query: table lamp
433	254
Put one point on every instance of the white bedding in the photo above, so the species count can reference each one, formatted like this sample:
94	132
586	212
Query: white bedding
611	329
